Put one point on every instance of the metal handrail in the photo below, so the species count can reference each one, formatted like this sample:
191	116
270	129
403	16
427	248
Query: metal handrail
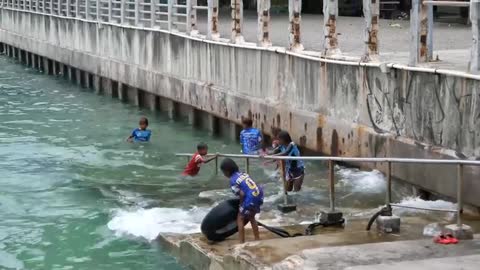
331	175
447	3
353	159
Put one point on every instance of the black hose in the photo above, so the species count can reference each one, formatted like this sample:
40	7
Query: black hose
372	219
278	231
385	211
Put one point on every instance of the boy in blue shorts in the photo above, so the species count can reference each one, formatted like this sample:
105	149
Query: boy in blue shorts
250	138
140	134
251	197
294	169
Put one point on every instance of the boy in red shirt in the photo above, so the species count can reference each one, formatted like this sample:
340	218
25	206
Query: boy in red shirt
193	167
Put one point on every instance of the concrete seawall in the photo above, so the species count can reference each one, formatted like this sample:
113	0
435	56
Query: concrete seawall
334	109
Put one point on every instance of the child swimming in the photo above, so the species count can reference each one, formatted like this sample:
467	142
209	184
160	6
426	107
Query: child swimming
250	138
251	197
193	167
140	134
294	169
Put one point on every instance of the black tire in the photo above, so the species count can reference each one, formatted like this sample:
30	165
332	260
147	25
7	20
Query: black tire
221	221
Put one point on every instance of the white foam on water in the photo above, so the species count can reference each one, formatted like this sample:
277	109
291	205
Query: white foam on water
148	223
362	181
417	202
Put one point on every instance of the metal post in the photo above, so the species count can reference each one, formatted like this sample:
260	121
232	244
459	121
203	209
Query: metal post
295	17
122	11
371	11
170	15
87	9
67	7
418	33
99	11
153	16
330	11
216	165
389	183
137	12
213	20
331	179
459	194
237	21
430	32
51	7
77	8
475	51
110	11
263	27
284	181
247	165
192	17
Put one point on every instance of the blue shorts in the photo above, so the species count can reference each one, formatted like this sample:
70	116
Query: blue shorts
251	205
295	173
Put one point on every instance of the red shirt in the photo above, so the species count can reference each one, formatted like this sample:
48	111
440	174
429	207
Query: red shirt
193	167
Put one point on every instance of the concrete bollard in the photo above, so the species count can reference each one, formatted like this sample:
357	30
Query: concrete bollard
237	21
263	27
419	28
213	33
463	232
475	50
330	44
295	18
371	11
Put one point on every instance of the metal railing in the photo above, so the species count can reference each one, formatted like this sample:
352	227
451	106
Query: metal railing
389	161
181	16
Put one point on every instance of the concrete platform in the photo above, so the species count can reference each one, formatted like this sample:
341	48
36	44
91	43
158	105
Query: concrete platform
454	263
330	248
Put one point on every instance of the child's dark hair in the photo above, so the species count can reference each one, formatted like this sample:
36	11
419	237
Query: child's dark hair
247	122
202	146
284	136
229	166
144	119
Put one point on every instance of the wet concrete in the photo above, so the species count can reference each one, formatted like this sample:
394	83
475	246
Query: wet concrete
296	253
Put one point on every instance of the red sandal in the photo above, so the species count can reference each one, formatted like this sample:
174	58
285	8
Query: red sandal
451	239
441	239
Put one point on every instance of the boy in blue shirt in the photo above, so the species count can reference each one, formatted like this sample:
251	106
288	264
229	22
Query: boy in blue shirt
140	134
251	197
294	169
250	138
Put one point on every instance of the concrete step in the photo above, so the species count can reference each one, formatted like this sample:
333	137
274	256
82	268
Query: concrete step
452	263
392	254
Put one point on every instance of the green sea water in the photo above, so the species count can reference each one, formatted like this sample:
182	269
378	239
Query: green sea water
75	195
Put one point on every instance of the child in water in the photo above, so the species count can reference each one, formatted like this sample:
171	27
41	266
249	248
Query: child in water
193	167
294	169
140	134
250	138
251	197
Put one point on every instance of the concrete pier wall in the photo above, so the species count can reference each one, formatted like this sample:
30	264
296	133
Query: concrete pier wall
334	109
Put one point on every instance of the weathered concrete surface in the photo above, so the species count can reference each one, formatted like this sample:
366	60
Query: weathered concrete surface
471	262
334	109
336	258
330	248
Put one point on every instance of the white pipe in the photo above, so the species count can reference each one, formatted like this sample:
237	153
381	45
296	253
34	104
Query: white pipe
447	3
354	159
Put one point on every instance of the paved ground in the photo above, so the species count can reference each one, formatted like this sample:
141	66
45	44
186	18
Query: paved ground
413	254
394	36
471	262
